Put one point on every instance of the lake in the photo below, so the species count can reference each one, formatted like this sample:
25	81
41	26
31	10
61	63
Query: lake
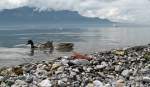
13	39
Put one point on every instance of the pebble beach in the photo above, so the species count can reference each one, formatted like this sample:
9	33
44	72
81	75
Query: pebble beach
128	67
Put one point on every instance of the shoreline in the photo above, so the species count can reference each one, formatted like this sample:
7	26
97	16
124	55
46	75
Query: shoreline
128	67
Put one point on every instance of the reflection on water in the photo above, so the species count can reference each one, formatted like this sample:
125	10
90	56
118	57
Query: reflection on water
49	51
13	49
13	56
65	50
31	52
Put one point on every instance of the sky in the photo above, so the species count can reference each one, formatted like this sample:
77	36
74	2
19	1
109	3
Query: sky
128	11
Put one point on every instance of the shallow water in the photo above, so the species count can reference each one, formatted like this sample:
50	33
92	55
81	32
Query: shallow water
13	39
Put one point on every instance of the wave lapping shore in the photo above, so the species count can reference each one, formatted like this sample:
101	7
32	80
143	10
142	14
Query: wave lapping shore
128	67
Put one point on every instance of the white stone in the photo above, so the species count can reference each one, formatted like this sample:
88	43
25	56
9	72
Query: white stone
61	83
64	61
45	83
64	79
75	70
118	68
126	73
59	70
55	66
39	66
98	83
80	62
103	65
66	57
72	73
1	77
100	66
107	85
146	79
63	75
20	83
89	69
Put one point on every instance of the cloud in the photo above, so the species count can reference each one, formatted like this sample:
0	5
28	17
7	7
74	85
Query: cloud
114	10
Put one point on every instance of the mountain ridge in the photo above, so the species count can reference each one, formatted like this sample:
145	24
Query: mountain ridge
27	15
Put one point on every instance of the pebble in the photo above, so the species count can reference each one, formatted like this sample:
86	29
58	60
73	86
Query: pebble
64	61
1	78
120	83
90	85
126	73
29	79
100	66
97	83
41	74
45	83
146	79
114	68
20	83
61	83
55	66
10	82
80	62
118	68
89	69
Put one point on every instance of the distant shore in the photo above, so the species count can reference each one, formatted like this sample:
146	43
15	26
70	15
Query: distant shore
128	67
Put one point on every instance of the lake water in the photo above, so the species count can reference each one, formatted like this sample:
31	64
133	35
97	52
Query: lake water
86	39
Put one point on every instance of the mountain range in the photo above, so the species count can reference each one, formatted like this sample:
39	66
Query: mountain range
29	15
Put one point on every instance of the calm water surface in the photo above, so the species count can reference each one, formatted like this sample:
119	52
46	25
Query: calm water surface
13	39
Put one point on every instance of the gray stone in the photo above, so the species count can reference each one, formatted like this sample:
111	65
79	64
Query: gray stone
80	62
41	74
146	79
45	83
90	85
1	78
118	68
98	83
20	83
29	79
72	73
103	65
135	72
107	85
60	70
76	84
99	67
61	83
126	73
64	61
10	82
89	69
145	71
120	83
